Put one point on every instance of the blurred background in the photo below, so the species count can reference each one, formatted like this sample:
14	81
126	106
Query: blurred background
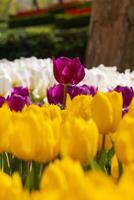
43	28
97	31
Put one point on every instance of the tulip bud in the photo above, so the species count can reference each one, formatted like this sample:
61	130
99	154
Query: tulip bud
68	71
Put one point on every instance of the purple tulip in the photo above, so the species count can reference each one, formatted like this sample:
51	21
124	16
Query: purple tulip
16	102
22	91
127	94
84	89
55	94
68	71
2	101
18	98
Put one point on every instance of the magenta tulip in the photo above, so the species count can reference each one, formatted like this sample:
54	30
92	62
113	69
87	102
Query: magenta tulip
68	71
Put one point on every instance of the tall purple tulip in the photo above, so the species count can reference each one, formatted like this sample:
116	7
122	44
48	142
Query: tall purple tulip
68	71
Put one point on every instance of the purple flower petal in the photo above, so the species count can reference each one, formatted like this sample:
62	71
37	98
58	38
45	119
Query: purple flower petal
84	89
55	94
16	102
22	91
18	98
127	94
2	101
68	71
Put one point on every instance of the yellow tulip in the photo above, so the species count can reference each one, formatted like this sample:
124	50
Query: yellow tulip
51	112
35	134
11	188
124	146
106	109
79	139
66	179
124	140
62	174
5	123
50	138
23	138
80	106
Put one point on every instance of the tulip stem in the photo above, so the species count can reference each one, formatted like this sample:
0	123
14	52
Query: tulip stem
64	96
103	142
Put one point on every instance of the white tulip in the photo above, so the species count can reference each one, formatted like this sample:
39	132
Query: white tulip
5	85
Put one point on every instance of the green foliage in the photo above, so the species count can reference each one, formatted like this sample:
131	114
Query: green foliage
43	42
69	21
30	20
54	15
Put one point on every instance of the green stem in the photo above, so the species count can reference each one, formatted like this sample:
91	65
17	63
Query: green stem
64	96
1	161
103	142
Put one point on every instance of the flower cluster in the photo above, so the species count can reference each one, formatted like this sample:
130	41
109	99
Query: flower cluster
37	75
80	145
67	179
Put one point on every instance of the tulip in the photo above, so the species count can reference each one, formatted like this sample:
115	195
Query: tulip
16	102
45	121
124	143
81	106
55	94
79	139
18	98
11	187
5	85
58	175
127	94
106	110
68	71
5	122
84	89
22	91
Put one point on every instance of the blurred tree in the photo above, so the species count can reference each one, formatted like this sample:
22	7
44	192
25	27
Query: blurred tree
35	3
111	34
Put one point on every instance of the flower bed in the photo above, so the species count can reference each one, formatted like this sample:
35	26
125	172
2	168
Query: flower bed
37	75
48	15
77	146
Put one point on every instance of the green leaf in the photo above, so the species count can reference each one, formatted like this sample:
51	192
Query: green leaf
104	159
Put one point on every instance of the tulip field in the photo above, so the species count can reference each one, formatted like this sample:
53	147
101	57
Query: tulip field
66	132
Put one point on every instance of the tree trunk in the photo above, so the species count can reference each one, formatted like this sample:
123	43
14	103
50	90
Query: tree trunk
128	58
108	33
